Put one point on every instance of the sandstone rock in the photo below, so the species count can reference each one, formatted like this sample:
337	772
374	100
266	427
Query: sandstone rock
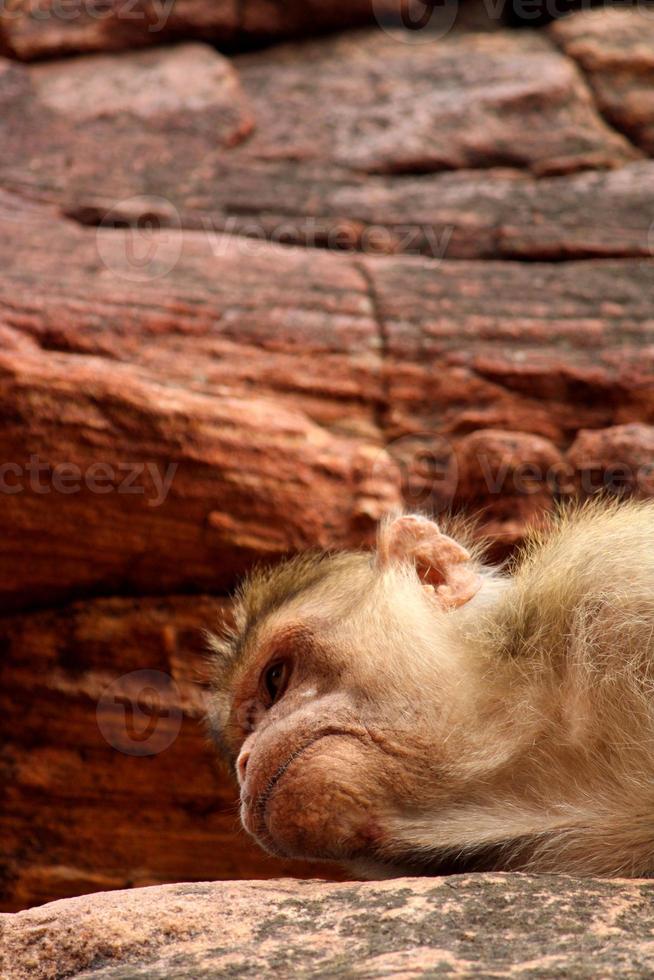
369	103
586	215
214	314
104	366
510	480
500	213
494	214
45	28
527	347
172	489
467	926
619	459
362	104
115	122
107	778
155	380
615	48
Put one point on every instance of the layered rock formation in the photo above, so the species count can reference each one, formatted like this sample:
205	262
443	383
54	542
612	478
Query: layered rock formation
614	49
248	305
45	28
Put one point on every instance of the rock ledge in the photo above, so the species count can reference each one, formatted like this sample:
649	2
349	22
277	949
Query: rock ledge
472	925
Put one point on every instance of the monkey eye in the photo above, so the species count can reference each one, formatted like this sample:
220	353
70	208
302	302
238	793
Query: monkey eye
275	680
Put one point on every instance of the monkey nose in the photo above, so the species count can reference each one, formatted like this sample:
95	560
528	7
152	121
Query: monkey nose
241	766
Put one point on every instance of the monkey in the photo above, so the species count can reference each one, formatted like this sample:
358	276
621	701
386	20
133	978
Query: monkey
413	710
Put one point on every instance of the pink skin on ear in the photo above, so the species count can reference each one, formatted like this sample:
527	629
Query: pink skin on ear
442	563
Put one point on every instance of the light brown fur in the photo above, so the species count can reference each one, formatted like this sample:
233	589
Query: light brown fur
516	731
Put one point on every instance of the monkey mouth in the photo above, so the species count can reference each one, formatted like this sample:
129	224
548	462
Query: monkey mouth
257	807
261	801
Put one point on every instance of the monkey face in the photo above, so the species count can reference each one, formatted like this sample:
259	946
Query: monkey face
326	698
313	779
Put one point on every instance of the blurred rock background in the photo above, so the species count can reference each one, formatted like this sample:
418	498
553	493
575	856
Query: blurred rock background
267	271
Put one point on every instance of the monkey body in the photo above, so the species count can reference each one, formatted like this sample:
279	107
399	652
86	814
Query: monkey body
413	711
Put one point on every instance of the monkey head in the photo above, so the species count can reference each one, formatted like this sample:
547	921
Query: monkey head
412	711
338	699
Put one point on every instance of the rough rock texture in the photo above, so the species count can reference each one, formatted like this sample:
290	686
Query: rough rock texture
205	375
231	366
615	48
391	108
115	121
620	459
542	348
513	477
43	28
90	789
469	926
467	323
355	105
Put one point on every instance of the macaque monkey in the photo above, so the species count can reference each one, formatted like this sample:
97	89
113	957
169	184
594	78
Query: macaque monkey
413	711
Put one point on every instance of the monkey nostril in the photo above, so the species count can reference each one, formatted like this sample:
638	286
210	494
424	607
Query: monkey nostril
241	765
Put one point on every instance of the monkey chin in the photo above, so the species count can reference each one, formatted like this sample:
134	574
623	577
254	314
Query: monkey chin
314	807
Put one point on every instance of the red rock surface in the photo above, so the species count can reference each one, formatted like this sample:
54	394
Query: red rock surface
388	107
43	28
511	479
615	48
469	926
87	803
532	347
620	459
360	103
346	111
292	395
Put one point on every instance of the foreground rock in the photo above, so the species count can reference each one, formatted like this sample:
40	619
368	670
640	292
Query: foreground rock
469	926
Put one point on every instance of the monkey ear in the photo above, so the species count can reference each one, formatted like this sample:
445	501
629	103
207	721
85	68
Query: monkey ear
444	565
